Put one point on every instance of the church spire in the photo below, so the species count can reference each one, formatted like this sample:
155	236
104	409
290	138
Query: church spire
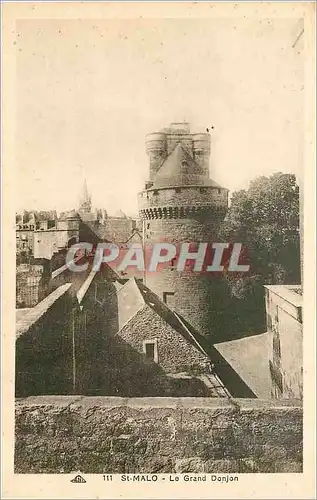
85	200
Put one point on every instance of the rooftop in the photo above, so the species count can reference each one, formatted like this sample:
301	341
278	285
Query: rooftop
119	214
35	313
290	293
249	357
179	169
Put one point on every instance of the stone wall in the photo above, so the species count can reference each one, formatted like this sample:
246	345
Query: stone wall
156	435
59	329
32	282
192	291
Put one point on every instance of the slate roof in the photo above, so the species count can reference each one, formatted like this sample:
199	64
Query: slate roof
119	215
136	294
46	215
179	169
249	357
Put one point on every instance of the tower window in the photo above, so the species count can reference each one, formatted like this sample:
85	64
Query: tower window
150	350
148	226
173	261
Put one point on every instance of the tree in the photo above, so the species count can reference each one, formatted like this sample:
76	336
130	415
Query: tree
265	219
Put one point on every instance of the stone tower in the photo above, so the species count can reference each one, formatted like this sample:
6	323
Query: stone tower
181	204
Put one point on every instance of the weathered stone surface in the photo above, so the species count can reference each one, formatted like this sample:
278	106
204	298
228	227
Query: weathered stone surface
161	435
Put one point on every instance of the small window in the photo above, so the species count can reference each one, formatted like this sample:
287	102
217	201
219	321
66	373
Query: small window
219	191
178	190
167	297
202	190
148	226
150	350
155	191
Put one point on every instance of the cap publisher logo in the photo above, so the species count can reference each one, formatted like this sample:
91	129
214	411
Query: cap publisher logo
78	479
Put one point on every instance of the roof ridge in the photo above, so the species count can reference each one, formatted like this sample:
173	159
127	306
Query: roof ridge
179	145
202	350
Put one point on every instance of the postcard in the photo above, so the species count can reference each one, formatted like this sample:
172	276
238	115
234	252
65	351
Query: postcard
158	234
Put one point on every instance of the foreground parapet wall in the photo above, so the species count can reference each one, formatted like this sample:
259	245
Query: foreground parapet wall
56	434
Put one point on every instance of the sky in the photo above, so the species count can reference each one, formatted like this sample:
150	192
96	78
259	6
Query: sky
88	91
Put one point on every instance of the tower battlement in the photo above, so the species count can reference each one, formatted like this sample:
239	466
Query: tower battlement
161	144
182	202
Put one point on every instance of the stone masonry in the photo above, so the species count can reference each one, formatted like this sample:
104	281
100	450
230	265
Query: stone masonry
63	434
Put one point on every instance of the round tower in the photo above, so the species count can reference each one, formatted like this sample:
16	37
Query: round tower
201	151
156	150
183	205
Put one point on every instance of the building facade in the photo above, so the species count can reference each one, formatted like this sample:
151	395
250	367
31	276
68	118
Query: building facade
285	338
48	242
